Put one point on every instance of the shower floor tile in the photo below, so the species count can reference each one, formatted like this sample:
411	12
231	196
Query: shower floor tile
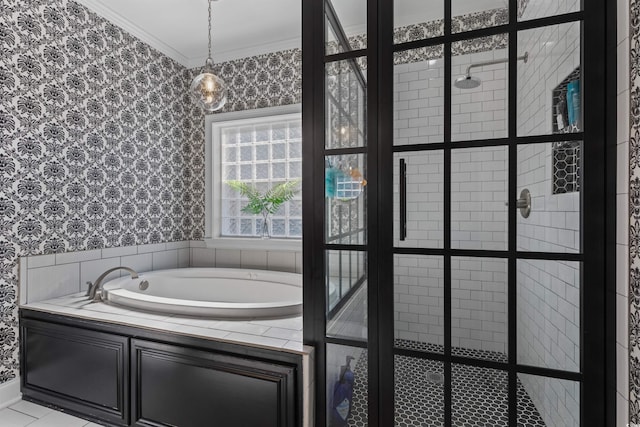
479	395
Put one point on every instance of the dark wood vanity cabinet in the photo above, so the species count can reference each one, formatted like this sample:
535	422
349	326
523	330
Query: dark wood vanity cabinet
122	377
83	371
234	392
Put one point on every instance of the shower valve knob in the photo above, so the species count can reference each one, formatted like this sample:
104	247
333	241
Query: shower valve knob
523	203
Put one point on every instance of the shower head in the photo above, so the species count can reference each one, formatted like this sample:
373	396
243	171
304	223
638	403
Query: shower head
467	82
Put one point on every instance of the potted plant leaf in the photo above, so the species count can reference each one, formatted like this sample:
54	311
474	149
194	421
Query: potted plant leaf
267	203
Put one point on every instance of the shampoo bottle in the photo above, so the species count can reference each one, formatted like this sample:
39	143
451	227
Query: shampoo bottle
577	105
560	115
570	103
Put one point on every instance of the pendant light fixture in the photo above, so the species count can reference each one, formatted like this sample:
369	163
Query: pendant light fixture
208	90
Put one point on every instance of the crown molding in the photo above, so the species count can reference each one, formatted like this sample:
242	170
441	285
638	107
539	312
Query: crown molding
246	52
122	22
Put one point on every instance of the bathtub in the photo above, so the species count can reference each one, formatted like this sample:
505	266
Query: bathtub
210	292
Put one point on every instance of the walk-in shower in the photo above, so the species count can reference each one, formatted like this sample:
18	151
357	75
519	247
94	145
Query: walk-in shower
470	82
454	296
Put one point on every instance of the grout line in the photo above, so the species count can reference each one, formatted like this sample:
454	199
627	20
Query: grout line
24	413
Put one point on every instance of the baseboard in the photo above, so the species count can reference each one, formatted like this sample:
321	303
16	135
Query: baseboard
10	393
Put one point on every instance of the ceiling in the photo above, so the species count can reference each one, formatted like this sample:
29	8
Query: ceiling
241	28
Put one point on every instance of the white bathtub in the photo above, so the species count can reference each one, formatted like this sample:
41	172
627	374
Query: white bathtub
210	292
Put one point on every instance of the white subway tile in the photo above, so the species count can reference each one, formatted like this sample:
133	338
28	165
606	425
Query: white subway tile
165	259
178	245
153	247
203	257
70	257
227	258
53	281
38	261
253	259
139	263
119	251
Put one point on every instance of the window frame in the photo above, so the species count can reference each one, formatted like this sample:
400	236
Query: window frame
213	179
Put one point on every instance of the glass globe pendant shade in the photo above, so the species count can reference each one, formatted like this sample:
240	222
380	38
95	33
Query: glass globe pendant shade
208	90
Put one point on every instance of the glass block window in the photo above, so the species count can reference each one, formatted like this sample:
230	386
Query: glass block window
264	153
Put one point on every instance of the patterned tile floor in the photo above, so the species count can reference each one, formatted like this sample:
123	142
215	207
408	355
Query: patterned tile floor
480	397
29	414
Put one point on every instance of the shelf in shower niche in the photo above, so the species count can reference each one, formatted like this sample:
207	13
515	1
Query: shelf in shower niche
559	98
566	156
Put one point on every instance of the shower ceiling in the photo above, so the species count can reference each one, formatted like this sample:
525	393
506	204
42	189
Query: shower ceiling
243	28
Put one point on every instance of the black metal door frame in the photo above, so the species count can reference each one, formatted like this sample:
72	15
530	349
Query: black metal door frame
598	18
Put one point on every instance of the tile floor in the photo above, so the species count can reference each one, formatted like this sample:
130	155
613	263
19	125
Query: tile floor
479	395
25	413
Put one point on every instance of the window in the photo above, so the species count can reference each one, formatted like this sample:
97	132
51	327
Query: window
262	148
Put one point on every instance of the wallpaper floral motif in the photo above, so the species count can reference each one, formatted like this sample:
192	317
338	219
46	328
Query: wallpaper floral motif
260	81
97	143
634	214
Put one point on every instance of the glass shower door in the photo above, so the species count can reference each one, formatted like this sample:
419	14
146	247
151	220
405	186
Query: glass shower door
345	214
457	158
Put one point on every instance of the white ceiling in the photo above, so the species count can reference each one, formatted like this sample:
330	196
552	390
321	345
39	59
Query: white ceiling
178	28
241	28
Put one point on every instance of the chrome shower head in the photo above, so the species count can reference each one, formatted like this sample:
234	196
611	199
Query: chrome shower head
467	82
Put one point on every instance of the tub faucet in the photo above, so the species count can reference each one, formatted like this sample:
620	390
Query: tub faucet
95	289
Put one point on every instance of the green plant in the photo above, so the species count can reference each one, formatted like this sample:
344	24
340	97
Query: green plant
269	202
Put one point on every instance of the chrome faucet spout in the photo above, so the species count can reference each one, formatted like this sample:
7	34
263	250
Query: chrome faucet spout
95	290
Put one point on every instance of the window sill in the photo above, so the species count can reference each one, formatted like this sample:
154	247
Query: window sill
288	245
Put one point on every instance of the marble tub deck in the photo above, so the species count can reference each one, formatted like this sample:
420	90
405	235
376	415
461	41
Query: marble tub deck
283	334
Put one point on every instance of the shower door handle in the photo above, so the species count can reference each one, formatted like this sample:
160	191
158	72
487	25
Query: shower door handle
403	200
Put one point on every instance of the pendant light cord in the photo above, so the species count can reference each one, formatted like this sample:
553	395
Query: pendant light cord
210	56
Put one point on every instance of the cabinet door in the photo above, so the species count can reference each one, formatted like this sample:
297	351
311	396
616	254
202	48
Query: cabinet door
76	369
175	386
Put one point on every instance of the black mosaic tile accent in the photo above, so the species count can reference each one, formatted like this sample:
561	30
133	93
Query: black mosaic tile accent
566	167
493	356
479	395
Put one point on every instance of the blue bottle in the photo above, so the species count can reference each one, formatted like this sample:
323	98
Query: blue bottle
577	104
330	182
342	401
570	110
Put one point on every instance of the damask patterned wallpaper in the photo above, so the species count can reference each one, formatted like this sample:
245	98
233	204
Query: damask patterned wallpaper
267	80
97	143
634	213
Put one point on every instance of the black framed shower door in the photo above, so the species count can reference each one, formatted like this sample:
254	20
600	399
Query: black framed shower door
429	265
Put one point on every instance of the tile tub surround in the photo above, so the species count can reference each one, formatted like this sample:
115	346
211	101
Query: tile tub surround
44	277
277	260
